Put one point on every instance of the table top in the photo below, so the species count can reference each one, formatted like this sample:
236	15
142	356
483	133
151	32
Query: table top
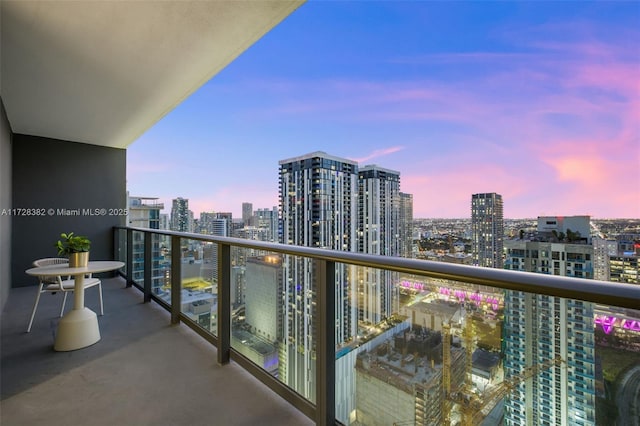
64	269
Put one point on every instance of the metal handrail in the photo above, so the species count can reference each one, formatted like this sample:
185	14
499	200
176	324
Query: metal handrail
602	292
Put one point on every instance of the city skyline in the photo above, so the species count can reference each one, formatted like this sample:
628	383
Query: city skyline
537	102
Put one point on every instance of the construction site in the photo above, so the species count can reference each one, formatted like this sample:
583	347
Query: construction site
445	370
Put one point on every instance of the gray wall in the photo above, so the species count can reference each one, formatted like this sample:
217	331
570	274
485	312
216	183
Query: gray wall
5	203
58	175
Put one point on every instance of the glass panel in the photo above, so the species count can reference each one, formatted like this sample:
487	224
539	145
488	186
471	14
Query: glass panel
199	286
121	254
617	347
160	265
161	283
138	258
414	337
273	316
511	357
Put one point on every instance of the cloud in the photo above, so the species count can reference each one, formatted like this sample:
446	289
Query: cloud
378	153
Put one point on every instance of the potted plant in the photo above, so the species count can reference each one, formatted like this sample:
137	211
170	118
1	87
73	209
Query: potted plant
75	247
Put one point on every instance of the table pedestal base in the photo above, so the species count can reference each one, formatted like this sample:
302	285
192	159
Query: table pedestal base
77	329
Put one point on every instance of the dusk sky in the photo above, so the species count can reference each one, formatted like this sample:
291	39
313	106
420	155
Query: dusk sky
538	101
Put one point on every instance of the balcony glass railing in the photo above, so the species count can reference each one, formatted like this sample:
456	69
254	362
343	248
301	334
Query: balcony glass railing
374	340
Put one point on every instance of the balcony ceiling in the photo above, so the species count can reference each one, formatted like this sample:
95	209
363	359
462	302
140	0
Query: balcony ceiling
103	72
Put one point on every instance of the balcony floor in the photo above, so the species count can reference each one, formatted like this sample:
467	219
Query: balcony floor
144	371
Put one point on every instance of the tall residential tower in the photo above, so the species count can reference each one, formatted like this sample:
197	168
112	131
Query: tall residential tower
181	219
247	213
318	204
487	227
540	328
378	233
406	225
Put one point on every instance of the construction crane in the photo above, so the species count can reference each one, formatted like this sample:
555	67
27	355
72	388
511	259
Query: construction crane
473	407
459	396
446	372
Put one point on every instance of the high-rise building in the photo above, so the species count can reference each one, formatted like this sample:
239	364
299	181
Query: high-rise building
487	227
247	214
228	217
164	221
602	250
406	225
617	259
624	269
219	226
378	233
212	223
144	212
263	296
180	220
190	221
318	203
539	328
267	219
205	224
553	258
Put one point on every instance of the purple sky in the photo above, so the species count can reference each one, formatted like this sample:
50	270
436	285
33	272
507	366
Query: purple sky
537	101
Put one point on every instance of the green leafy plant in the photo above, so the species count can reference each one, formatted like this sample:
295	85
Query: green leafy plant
71	243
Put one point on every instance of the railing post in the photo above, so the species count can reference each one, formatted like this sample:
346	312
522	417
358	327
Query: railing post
116	243
147	266
129	258
224	303
176	279
325	345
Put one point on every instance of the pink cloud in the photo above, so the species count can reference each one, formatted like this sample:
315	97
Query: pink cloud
378	153
584	170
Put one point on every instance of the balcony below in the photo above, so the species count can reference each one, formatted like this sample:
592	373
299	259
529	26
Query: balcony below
143	371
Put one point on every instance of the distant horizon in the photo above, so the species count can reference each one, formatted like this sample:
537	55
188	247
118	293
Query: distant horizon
238	214
536	101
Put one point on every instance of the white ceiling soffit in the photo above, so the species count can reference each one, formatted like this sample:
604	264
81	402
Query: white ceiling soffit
103	72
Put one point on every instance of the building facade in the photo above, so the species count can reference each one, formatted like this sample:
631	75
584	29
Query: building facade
267	219
602	250
406	225
144	212
318	204
487	227
181	220
247	214
378	233
624	269
263	304
543	257
538	328
623	265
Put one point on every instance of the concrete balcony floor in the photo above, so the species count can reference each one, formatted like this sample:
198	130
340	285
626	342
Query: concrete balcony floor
143	371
